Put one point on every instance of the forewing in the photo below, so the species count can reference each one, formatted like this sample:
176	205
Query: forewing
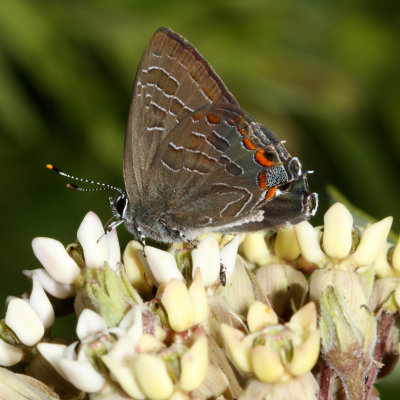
172	81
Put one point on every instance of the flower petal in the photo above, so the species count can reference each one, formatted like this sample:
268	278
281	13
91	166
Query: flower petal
41	303
307	237
50	285
198	296
338	225
82	375
134	267
266	364
254	248
9	354
286	244
194	363
178	304
89	323
260	316
305	355
162	266
239	346
114	252
206	257
372	241
24	322
55	259
124	376
152	375
95	250
228	255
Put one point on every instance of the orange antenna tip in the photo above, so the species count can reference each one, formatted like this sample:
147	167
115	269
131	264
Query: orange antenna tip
49	166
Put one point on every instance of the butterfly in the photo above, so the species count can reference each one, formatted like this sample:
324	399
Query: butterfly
194	161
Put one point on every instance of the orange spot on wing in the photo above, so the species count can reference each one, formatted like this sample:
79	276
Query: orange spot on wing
271	193
249	144
262	181
213	119
240	130
262	160
195	117
208	94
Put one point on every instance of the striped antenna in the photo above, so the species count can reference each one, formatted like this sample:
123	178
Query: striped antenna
104	186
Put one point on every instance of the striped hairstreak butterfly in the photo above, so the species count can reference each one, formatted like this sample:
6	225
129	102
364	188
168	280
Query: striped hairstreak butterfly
194	161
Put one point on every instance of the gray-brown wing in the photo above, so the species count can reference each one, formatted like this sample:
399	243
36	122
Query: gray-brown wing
218	168
172	81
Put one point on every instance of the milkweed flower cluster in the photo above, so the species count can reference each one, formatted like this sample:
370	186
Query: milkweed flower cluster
303	313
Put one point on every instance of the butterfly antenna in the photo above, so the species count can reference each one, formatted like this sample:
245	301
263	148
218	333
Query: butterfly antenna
103	186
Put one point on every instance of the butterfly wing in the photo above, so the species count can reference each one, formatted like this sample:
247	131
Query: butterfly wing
218	169
172	81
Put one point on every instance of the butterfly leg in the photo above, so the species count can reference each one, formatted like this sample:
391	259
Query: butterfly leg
178	234
142	238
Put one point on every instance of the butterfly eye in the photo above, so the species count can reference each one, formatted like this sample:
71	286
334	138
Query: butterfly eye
121	203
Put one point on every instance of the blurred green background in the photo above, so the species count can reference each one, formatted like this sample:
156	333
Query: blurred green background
322	75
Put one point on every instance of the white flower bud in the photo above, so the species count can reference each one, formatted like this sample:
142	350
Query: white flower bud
307	237
50	285
198	296
286	244
82	375
114	252
372	241
194	363
259	316
41	303
162	266
24	322
266	363
134	267
178	304
89	323
338	225
254	248
124	376
206	257
9	354
55	259
53	353
152	376
228	256
89	232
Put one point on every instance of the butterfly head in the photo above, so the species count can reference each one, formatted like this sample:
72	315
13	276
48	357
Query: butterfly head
119	205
